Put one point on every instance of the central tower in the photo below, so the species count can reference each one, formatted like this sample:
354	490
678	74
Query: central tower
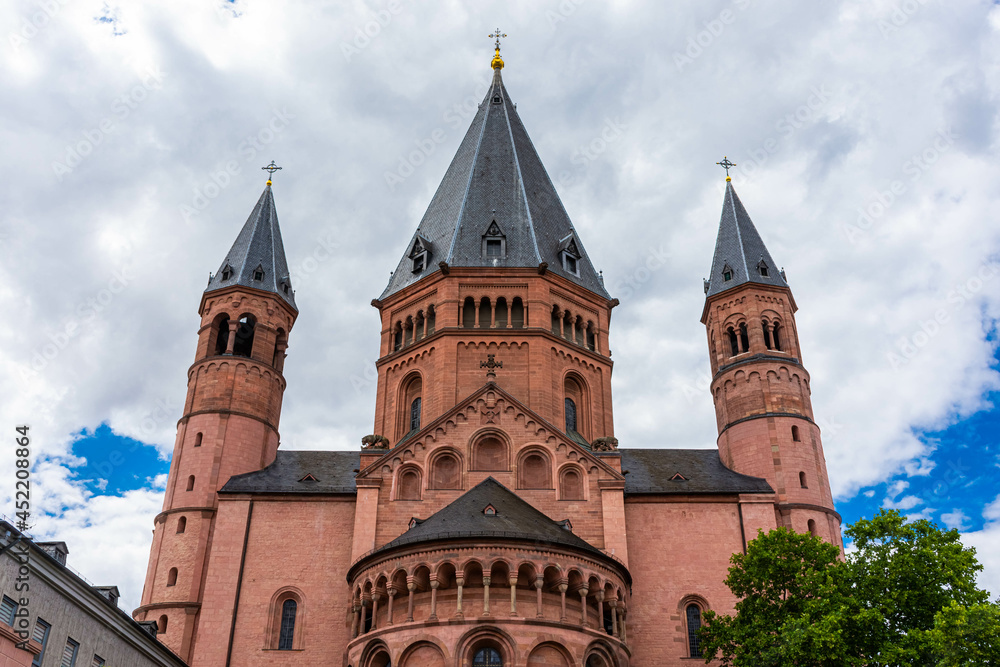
495	267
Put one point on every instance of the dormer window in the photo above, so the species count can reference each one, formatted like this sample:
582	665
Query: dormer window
285	286
258	273
727	273
496	99
414	522
419	254
494	243
569	254
490	510
762	268
227	273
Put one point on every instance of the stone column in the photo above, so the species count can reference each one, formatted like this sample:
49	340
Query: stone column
354	620
364	613
513	593
623	624
539	582
600	610
486	596
410	586
434	599
234	326
583	606
375	599
459	581
478	302
614	617
562	601
493	313
392	594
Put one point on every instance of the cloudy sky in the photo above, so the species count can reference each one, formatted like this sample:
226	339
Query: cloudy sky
865	135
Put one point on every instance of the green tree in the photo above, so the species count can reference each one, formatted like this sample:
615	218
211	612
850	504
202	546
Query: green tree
966	636
795	607
907	573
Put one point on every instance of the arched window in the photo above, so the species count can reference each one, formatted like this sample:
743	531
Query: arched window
812	528
487	657
591	337
408	332
734	345
795	434
446	473
534	471
469	313
181	525
397	337
415	414
222	335
517	313
190	486
485	313
161	625
571	485
280	343
172	577
431	316
802	480
197	440
693	616
501	317
243	346
578	331
777	336
767	335
744	338
409	485
490	453
287	632
570	415
556	321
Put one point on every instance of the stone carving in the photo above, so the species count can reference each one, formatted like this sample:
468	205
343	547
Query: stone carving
374	442
605	445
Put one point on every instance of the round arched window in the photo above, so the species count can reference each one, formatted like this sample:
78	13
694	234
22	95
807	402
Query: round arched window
487	657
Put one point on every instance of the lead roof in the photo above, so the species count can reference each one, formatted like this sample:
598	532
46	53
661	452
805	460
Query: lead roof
496	175
258	245
740	248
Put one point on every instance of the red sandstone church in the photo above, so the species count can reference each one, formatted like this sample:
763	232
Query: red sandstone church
492	519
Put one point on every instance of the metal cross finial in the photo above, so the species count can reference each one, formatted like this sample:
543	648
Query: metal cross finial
491	365
270	169
497	35
726	164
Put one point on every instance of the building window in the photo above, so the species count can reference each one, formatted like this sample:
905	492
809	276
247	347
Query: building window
415	414
244	336
570	415
468	313
570	264
812	528
190	486
744	338
181	525
571	485
487	657
161	625
69	653
693	614
534	471
258	273
222	335
494	248
287	634
418	263
490	453
767	335
795	434
777	337
172	577
41	635
98	661
734	346
802	480
762	267
227	273
419	254
7	610
446	473
409	485
197	440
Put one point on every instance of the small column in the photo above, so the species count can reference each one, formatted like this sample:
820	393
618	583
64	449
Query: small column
392	594
493	315
486	596
375	599
434	599
354	620
234	327
410	586
562	601
583	606
614	617
477	313
459	581
364	613
513	594
623	623
539	582
600	610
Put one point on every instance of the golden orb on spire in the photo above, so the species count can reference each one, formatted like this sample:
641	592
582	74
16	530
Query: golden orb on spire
497	62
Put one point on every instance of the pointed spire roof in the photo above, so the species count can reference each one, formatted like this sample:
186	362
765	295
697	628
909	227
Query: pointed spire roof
257	258
739	251
496	177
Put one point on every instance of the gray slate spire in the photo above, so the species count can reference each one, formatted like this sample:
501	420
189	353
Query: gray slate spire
740	251
258	249
496	176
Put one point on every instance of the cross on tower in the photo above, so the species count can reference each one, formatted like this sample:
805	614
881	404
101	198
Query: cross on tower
270	169
497	35
726	164
491	364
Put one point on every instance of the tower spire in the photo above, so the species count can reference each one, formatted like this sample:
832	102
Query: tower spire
497	62
740	254
257	258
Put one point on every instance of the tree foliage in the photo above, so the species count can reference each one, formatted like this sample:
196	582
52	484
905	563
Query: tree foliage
906	595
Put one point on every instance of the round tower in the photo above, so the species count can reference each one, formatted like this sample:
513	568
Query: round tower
759	385
230	420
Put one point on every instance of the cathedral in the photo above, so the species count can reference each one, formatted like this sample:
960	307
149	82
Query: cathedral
491	518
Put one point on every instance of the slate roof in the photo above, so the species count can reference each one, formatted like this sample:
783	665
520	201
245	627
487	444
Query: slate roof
334	473
258	245
495	175
514	519
739	247
651	471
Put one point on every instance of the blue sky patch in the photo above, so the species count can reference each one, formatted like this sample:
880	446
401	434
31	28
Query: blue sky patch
116	464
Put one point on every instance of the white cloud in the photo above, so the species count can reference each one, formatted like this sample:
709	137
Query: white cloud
955	519
896	309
